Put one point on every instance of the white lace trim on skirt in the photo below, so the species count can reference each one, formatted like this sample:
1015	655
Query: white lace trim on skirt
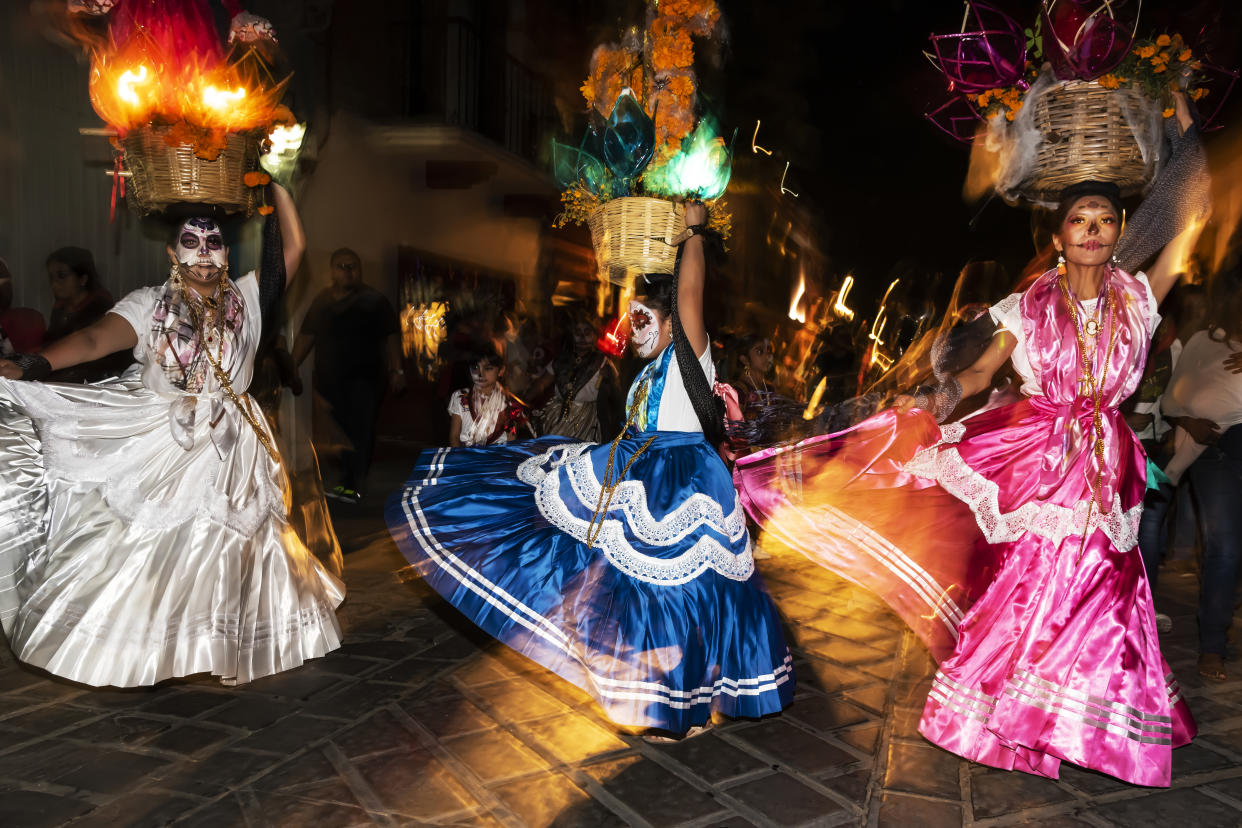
630	499
945	465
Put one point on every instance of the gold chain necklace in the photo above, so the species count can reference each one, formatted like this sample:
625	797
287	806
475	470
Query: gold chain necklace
223	378
609	486
1095	390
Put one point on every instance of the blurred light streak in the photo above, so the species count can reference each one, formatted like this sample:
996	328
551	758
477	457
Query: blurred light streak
816	396
839	306
783	189
612	341
755	148
795	313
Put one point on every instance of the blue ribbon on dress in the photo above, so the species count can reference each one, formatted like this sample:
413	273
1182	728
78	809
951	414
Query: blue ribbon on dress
657	372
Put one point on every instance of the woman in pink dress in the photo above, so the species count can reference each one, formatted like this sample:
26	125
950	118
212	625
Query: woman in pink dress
1008	540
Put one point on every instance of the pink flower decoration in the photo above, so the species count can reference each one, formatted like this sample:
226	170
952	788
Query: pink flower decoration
990	50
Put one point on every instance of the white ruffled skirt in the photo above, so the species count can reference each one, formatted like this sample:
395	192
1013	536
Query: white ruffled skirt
139	541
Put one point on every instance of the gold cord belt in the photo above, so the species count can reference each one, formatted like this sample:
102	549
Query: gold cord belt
1095	391
609	486
223	378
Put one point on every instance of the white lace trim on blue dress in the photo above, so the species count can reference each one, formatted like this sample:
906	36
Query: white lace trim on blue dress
605	686
630	498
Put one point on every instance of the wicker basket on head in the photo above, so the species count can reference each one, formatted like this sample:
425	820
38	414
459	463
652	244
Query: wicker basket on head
164	174
635	235
1086	136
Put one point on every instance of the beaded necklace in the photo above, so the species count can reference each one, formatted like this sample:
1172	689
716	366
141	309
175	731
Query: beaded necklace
1094	390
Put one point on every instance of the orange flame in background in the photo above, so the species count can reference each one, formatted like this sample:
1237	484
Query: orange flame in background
796	313
138	84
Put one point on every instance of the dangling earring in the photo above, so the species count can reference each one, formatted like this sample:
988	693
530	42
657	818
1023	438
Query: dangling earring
1060	263
174	278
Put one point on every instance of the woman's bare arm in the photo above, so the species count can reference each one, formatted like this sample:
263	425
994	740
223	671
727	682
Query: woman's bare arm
690	280
107	336
292	234
978	377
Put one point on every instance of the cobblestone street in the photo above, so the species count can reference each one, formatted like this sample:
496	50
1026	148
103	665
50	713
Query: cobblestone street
419	720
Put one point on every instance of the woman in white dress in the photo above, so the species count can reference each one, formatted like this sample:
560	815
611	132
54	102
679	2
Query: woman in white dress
143	523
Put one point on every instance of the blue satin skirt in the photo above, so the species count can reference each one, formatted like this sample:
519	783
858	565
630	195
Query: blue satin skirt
656	610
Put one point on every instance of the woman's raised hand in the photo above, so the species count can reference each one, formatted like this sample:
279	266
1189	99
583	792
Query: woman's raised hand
696	213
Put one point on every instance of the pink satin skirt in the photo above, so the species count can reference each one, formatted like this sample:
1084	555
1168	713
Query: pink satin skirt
1047	645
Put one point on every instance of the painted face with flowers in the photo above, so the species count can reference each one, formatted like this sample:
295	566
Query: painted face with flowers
201	250
650	331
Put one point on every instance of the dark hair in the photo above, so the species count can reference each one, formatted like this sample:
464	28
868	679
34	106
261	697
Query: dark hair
659	292
487	354
656	292
343	251
80	261
1071	194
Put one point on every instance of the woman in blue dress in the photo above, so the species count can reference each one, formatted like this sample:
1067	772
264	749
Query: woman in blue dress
625	568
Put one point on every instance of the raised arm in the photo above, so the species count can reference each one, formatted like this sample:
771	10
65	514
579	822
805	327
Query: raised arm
292	234
107	336
690	281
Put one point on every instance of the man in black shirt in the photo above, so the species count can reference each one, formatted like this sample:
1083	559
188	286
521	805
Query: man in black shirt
356	337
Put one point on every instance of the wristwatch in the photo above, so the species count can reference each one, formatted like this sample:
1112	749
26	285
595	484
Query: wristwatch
693	230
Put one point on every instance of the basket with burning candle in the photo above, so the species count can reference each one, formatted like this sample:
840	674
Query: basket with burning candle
191	116
642	150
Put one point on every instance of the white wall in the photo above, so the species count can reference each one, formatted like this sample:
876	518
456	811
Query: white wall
375	199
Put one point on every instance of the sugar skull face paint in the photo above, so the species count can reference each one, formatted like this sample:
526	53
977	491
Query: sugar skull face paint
644	329
200	243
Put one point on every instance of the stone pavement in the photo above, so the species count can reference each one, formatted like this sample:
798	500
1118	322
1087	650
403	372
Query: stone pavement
419	720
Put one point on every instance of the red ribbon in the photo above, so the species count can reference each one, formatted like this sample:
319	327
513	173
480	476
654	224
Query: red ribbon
118	183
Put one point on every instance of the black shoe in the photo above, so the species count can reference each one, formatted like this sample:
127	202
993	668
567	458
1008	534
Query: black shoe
343	494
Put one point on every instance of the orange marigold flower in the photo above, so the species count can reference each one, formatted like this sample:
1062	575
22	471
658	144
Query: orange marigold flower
681	86
1159	67
1196	94
1145	51
1184	56
1163	40
1108	81
251	179
673	51
994	113
1009	115
982	100
1163	57
1168	113
266	210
